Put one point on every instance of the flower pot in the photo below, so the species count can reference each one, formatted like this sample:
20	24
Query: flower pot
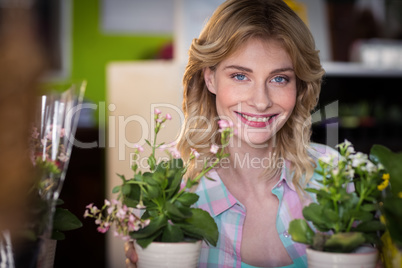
178	255
364	257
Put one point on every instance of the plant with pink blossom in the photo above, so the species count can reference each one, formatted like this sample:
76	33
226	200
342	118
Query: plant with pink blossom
164	201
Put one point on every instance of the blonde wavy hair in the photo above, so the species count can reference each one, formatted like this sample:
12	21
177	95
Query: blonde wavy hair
233	23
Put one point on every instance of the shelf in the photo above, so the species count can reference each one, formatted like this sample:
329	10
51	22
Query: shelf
358	69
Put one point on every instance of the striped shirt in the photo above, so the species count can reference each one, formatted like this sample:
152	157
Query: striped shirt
229	214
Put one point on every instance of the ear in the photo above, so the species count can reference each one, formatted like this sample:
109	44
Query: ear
209	78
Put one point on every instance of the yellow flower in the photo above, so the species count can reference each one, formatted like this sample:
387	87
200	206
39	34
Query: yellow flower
385	176
382	219
383	185
400	194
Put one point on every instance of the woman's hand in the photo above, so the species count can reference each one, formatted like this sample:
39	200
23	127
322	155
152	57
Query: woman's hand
131	255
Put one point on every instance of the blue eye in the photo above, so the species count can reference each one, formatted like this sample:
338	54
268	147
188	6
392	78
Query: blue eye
240	77
279	79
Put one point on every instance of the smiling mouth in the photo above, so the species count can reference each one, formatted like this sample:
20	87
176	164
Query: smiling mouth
257	119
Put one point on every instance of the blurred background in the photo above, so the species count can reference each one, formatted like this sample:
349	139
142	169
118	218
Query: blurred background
132	54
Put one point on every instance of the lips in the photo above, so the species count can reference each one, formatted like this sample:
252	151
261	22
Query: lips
256	120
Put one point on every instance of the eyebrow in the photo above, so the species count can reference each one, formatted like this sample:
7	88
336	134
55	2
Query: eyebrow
244	69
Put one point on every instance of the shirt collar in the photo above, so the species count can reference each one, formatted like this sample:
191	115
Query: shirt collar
216	198
287	176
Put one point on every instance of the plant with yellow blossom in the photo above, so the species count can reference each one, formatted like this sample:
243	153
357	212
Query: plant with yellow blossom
343	218
384	183
391	208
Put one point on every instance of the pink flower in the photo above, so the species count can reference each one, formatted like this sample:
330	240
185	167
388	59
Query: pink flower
107	202
214	148
90	205
110	210
145	223
102	229
195	153
138	147
157	111
49	135
168	117
168	145
43	141
86	214
225	124
175	153
63	158
35	133
121	214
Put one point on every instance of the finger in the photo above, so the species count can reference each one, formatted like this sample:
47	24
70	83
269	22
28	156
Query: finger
130	252
129	264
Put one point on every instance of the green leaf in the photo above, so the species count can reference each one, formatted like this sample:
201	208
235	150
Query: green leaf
144	242
362	215
392	209
175	213
176	163
56	235
174	185
369	207
301	231
344	242
209	178
200	225
147	141
151	162
392	163
126	189
369	226
121	177
153	191
172	233
154	227
130	202
116	189
315	213
135	193
312	190
64	220
187	199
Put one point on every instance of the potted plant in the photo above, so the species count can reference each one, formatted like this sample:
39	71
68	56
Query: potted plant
50	144
343	220
164	202
392	205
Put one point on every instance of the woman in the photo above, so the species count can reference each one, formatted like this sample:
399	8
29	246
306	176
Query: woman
255	65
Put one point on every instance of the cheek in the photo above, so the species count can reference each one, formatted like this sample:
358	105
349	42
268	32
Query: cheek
287	100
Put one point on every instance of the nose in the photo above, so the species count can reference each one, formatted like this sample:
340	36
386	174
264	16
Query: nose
260	97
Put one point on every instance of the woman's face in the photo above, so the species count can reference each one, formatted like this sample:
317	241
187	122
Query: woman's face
255	88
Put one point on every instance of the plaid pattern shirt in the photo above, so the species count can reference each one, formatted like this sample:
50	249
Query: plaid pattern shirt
229	215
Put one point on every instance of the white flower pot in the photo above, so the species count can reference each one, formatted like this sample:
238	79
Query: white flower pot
364	257
160	255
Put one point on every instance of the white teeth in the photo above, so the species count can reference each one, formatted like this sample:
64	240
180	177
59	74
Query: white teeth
255	119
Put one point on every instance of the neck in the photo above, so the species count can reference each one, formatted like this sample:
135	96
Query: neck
245	168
